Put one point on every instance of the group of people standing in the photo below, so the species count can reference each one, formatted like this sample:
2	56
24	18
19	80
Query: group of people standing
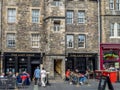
40	76
75	77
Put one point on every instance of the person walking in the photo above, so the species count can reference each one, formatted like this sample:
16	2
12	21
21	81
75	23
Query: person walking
43	77
37	75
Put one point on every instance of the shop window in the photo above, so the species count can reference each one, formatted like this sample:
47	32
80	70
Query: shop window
110	55
10	65
22	64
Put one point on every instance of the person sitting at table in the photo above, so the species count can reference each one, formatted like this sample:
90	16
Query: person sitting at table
82	78
73	78
67	75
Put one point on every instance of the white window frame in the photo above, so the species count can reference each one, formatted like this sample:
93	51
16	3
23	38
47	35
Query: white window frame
69	17
114	30
11	15
56	2
70	41
35	40
56	27
81	39
81	17
117	4
11	39
35	15
111	4
118	29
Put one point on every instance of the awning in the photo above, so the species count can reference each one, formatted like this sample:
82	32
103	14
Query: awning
110	46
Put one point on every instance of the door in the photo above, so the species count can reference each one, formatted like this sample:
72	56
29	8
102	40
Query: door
57	66
33	67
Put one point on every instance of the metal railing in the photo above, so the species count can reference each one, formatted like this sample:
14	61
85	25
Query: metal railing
7	83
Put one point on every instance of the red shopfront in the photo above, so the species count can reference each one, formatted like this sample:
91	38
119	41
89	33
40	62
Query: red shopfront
109	55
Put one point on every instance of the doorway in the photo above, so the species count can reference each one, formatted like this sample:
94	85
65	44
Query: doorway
33	67
58	67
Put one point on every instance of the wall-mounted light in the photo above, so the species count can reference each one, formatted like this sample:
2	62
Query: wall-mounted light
23	59
65	59
10	59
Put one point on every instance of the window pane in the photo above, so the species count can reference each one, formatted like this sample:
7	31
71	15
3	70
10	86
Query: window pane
35	15
111	4
11	40
117	4
81	41
118	30
35	40
56	27
112	29
11	15
69	40
69	17
81	17
56	2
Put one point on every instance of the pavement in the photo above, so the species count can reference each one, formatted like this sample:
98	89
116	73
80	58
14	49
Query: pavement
62	85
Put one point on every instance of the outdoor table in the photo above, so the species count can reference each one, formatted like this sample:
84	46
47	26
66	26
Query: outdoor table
98	74
112	75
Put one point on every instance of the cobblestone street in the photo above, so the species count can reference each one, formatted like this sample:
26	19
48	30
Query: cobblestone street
61	85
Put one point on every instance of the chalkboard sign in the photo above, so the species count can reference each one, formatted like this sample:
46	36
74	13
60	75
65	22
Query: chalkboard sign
103	81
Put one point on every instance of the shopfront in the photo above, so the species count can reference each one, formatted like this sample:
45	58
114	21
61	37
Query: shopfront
19	62
82	61
109	55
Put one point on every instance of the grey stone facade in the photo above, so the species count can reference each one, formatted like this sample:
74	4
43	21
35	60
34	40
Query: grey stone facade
89	28
23	27
108	16
52	43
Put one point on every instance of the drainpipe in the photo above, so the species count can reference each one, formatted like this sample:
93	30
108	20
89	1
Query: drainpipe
1	63
99	34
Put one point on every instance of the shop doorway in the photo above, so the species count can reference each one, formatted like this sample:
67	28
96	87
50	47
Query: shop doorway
57	68
33	67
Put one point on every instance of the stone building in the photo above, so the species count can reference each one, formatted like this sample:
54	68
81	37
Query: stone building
82	45
55	37
56	34
22	35
110	33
